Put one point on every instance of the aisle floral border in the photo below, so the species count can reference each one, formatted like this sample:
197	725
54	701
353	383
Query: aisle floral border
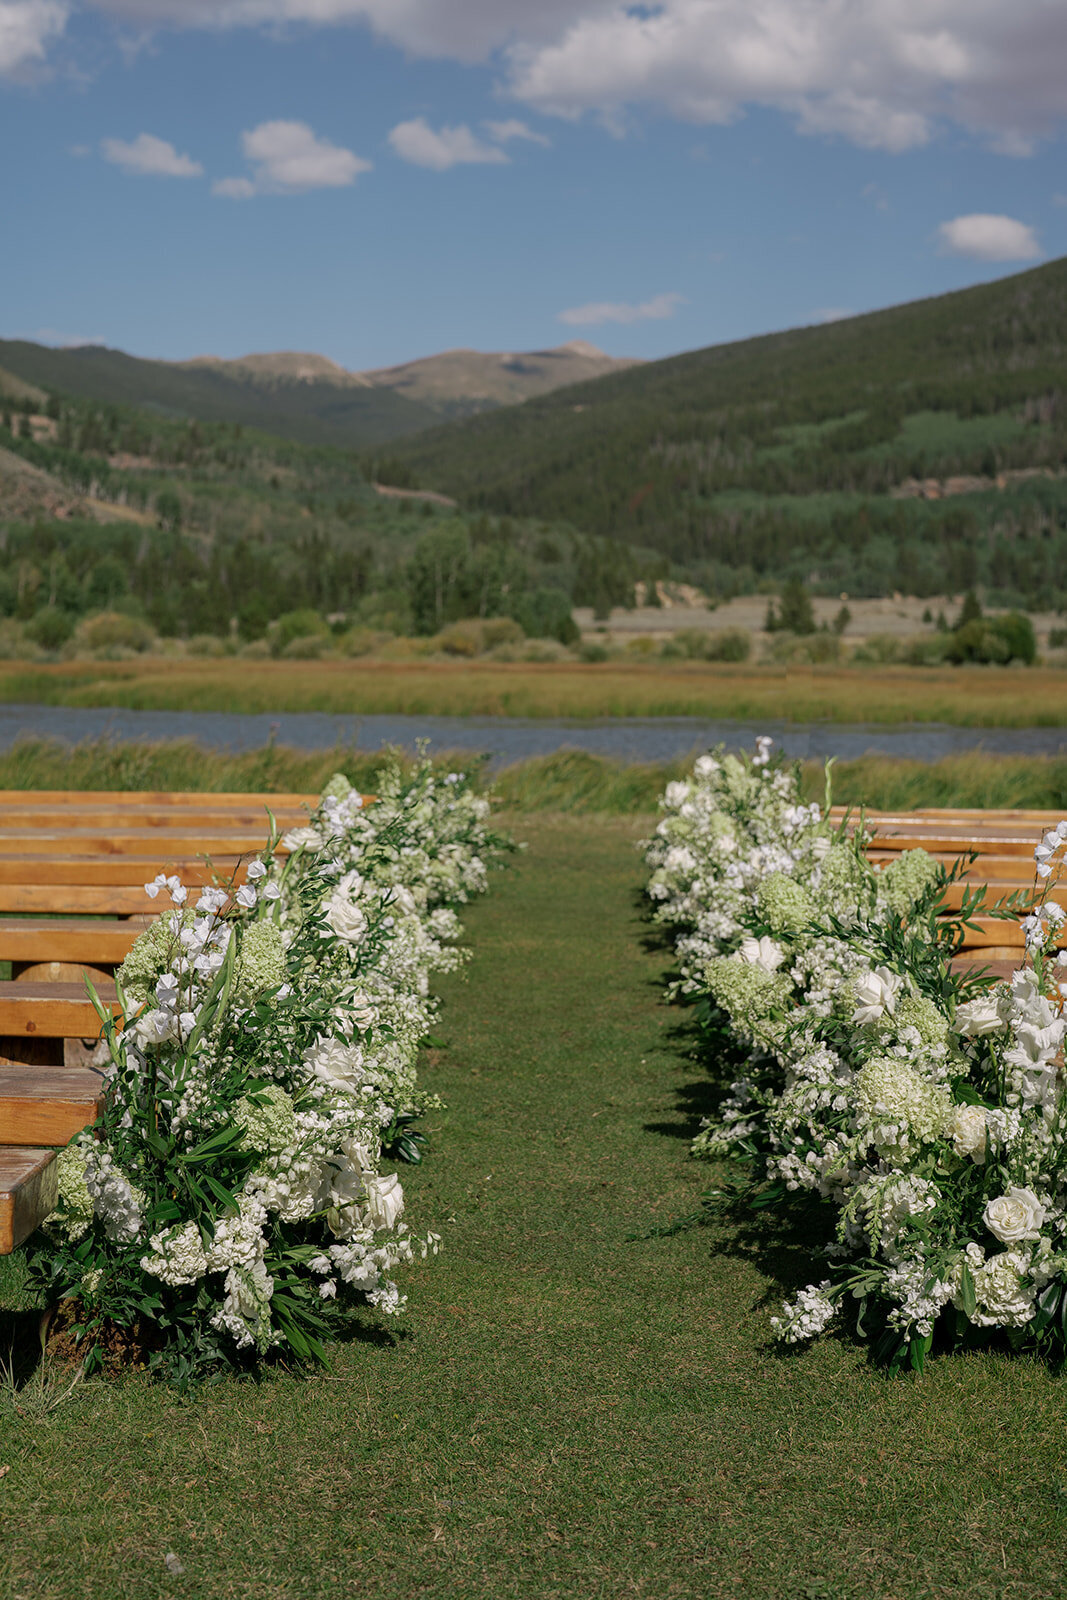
924	1104
230	1201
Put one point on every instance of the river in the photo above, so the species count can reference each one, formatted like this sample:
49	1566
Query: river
508	739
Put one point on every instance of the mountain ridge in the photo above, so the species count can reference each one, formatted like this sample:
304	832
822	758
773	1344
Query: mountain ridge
302	395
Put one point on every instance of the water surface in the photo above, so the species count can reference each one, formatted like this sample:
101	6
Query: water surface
507	739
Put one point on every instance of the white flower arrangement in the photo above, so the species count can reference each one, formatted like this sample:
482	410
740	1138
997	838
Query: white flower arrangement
927	1110
231	1197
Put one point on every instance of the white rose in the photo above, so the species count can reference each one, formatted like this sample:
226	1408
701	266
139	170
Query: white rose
876	994
338	1064
968	1131
385	1201
821	847
345	918
763	953
1015	1216
302	838
978	1017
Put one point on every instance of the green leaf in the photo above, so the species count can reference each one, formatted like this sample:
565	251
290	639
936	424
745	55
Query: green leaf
967	1290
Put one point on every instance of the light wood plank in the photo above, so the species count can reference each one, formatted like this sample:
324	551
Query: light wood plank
52	1010
150	847
47	1105
22	939
29	1191
156	797
121	871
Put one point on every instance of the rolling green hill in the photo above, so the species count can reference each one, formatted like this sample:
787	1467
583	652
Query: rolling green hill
797	453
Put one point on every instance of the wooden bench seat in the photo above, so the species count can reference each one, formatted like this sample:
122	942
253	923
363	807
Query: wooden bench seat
96	943
47	1105
133	799
29	1191
84	870
132	843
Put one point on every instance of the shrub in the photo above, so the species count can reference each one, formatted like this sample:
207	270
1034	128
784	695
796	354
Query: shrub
925	649
461	639
50	628
725	644
878	649
307	647
291	625
546	613
112	630
593	650
994	639
501	630
207	644
540	650
363	641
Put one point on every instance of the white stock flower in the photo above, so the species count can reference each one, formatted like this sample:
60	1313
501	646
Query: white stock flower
1015	1217
969	1132
385	1201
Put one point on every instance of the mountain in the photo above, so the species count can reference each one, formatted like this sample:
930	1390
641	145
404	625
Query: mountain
785	454
312	411
298	395
456	383
463	382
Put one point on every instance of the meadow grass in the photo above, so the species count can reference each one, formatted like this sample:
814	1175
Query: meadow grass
978	697
570	1411
567	781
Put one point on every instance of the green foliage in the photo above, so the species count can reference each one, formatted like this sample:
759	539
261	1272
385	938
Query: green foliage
794	613
993	639
50	628
775	457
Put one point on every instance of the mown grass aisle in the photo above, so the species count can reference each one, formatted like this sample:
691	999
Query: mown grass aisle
568	1414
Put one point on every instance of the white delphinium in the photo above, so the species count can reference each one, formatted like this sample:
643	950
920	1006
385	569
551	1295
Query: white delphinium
806	1315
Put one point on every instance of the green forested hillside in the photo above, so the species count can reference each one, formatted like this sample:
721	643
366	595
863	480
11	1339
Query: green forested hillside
360	417
791	454
214	529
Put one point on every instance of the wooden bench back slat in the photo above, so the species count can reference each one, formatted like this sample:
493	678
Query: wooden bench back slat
156	797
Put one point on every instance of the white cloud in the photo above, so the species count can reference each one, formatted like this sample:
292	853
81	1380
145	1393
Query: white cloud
881	73
27	27
598	311
833	314
424	146
234	188
289	158
501	132
65	341
149	157
461	30
989	238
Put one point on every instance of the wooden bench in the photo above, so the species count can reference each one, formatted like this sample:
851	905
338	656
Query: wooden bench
73	867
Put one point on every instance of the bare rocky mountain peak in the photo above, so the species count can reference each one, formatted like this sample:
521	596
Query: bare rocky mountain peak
452	383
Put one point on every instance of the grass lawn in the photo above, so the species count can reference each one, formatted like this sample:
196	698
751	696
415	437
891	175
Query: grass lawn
976	697
567	1414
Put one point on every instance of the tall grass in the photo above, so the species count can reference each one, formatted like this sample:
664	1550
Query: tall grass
978	697
567	781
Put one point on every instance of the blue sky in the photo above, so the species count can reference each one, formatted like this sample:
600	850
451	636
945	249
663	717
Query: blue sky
380	179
